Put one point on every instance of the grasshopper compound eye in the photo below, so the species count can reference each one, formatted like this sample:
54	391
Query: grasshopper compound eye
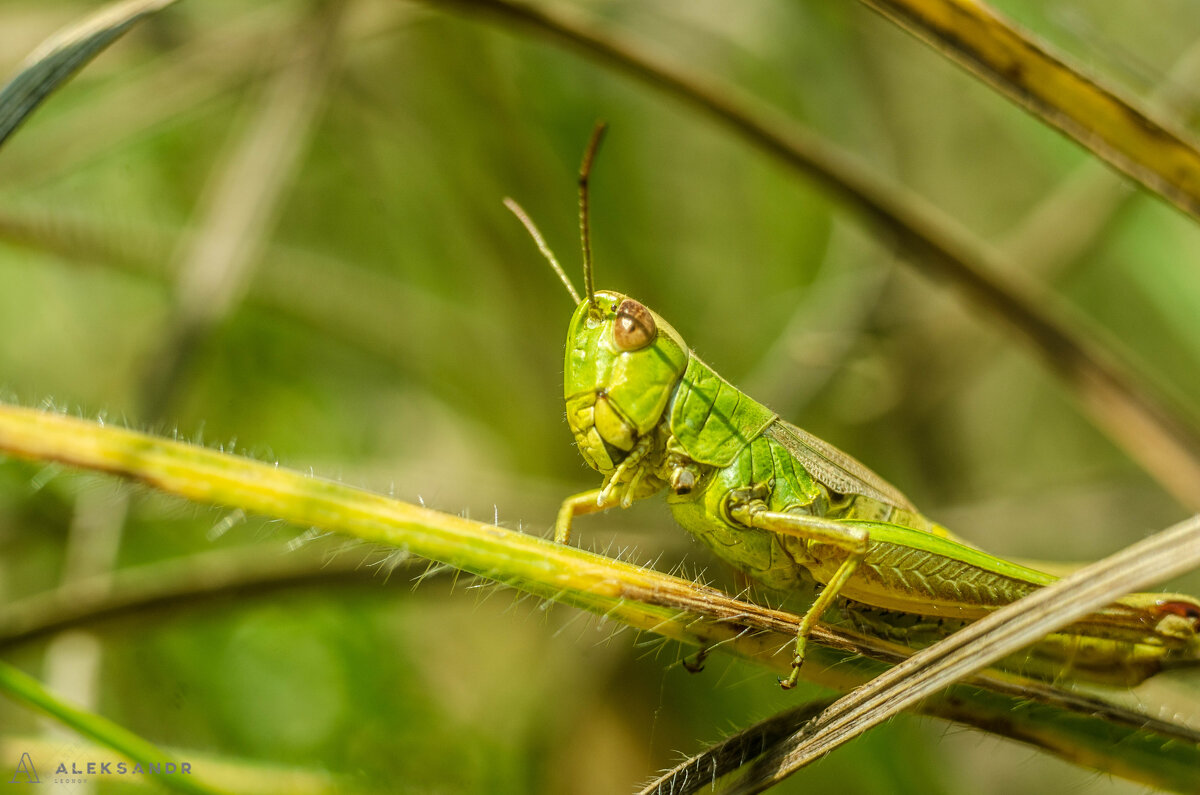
635	328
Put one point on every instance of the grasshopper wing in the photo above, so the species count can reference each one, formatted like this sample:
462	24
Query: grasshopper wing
837	470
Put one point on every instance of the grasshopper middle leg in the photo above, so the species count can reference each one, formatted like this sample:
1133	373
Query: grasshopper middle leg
855	540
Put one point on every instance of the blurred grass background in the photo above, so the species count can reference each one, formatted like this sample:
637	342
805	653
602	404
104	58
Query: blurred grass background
395	328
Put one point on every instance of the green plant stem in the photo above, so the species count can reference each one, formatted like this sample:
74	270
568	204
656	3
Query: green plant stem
1087	730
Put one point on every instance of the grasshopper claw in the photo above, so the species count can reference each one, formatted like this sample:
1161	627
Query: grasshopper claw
696	665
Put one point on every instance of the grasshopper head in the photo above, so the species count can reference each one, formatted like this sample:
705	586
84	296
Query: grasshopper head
623	362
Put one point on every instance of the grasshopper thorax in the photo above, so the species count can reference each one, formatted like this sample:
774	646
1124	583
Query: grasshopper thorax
623	363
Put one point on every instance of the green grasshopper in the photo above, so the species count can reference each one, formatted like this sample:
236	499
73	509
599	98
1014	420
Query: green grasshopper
788	509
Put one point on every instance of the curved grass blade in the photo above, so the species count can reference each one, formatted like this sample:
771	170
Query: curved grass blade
62	55
26	690
174	585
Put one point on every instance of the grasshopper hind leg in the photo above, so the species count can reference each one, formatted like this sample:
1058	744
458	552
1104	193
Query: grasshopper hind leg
854	540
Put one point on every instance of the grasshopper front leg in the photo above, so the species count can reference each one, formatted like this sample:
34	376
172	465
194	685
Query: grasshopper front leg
619	489
581	504
855	540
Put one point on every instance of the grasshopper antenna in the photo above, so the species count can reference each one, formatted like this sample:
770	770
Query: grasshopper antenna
585	171
532	229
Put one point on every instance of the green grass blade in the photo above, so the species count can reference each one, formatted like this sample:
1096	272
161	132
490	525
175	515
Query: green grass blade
25	689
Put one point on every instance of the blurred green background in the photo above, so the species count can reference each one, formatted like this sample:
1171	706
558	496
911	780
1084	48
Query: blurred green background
393	327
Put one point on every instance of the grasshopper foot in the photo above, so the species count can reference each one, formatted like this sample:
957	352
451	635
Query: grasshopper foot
695	664
797	661
790	681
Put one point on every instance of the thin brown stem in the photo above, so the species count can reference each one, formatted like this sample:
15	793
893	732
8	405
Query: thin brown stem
1031	74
